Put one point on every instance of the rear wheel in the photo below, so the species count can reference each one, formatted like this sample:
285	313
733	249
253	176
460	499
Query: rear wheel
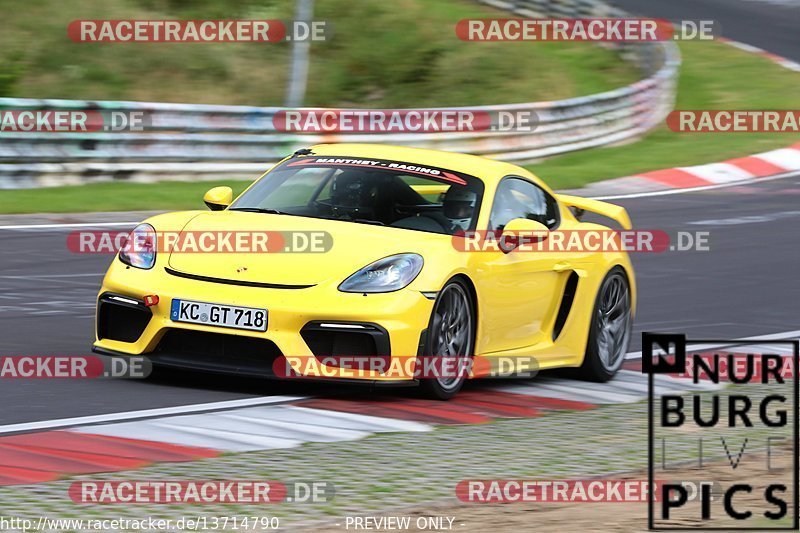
451	333
610	330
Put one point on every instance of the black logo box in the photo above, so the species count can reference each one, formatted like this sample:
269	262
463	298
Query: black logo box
665	341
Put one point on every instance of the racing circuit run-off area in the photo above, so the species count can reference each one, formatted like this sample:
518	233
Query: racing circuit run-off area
451	265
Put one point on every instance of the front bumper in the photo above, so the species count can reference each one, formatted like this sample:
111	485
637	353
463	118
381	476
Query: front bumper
396	320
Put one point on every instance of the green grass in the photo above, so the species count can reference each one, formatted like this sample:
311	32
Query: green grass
380	54
713	76
112	197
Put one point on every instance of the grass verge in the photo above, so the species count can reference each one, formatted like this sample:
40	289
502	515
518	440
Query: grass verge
713	76
167	195
379	54
747	81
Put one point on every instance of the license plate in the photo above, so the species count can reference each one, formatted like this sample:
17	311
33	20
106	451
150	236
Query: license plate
226	316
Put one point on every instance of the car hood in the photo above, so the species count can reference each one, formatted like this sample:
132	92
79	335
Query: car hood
349	246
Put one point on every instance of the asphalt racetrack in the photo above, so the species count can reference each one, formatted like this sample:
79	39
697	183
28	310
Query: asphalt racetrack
740	20
745	286
737	289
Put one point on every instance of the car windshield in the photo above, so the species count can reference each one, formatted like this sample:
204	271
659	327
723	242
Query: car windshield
368	191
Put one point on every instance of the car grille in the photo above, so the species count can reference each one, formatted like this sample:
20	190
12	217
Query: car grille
216	352
121	321
325	339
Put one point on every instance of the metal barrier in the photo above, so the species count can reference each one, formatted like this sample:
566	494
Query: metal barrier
186	141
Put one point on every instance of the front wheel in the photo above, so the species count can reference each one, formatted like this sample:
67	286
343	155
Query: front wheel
610	330
451	333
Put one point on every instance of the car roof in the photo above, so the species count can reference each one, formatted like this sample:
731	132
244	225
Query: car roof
489	171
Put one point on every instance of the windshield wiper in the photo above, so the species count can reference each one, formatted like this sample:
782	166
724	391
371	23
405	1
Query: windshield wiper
367	221
266	210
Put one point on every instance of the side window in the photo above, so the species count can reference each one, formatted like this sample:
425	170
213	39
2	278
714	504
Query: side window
518	198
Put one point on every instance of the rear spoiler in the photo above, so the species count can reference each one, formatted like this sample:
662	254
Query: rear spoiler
614	212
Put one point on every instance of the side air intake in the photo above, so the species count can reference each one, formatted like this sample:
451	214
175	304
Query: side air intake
566	304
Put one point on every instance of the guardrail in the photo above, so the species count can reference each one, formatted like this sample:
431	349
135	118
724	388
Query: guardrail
186	141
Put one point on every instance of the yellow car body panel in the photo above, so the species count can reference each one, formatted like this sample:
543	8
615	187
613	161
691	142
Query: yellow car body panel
516	295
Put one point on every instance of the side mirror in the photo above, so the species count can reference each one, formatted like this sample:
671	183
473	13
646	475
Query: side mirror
520	231
218	198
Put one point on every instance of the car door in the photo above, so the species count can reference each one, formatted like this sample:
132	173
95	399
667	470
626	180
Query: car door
521	289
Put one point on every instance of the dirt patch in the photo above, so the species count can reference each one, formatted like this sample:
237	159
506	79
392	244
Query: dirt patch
612	517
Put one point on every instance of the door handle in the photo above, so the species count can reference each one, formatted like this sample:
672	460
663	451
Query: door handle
564	266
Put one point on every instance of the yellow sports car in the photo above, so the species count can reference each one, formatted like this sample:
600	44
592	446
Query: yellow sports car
403	266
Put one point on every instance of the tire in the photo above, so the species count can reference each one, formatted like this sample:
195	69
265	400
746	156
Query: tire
451	329
610	329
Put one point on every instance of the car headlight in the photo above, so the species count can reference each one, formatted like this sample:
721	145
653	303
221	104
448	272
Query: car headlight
139	250
385	275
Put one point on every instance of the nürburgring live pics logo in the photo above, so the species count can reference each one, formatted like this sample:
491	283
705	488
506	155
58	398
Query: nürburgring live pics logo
735	434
